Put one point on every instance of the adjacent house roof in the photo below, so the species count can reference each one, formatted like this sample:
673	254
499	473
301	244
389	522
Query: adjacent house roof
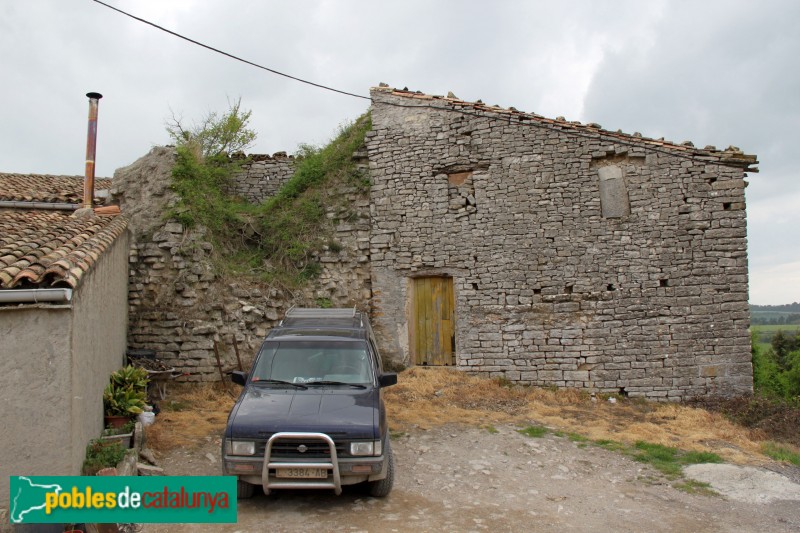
45	248
45	188
731	156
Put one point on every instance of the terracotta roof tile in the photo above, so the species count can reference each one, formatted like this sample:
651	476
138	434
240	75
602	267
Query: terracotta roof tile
47	248
730	156
45	188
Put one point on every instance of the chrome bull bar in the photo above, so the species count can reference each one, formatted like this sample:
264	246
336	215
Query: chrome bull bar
273	482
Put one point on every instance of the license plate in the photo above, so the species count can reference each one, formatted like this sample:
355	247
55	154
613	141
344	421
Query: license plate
312	473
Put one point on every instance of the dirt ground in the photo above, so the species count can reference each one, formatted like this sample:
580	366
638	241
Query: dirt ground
464	478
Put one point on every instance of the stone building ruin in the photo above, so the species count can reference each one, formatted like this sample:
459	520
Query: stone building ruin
502	243
548	252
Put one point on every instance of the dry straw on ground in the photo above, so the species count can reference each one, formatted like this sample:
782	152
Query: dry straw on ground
190	413
427	397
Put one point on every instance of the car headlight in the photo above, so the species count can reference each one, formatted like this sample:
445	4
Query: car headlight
366	448
241	447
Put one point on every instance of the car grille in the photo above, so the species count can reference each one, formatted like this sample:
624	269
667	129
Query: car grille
314	449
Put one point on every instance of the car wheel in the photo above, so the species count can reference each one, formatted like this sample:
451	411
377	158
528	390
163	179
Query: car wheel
383	487
244	489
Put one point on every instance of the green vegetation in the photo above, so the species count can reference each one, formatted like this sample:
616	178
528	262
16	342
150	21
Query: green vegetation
779	452
774	409
324	303
776	369
575	437
692	486
669	461
279	240
101	454
215	135
665	459
536	432
491	429
126	392
610	445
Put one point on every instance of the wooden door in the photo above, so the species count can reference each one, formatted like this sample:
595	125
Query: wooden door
433	331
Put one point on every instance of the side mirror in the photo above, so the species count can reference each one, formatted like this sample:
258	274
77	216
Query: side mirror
239	377
386	380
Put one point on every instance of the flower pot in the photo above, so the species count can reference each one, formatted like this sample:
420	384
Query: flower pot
115	421
125	439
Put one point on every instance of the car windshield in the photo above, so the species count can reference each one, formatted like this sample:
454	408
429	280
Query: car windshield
300	362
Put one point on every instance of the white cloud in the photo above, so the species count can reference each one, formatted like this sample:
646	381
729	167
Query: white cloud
775	284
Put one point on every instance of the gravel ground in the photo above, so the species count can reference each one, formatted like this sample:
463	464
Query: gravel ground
469	479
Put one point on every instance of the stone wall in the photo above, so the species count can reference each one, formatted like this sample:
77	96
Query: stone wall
579	258
179	306
262	175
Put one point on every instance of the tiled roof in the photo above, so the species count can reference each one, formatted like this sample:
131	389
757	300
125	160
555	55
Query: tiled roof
52	248
42	248
730	156
45	188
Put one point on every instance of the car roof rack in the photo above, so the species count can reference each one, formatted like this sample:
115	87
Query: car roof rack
313	312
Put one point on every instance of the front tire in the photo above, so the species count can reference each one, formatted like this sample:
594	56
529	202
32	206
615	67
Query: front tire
382	487
244	489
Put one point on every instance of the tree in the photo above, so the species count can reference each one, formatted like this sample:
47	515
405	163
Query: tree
782	346
216	134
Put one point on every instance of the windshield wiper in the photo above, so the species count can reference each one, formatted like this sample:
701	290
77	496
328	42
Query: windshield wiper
328	382
277	382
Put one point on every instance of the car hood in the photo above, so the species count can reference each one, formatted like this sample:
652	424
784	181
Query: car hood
262	411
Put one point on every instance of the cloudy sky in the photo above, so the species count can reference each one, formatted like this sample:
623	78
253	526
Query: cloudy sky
713	72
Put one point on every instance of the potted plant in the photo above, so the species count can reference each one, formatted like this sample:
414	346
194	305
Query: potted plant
101	455
123	435
125	395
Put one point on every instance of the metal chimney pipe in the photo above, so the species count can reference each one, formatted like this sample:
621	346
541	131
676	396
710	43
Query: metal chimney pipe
91	148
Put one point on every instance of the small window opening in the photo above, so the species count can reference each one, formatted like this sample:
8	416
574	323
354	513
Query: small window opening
537	291
610	287
663	282
568	289
726	206
614	200
461	193
623	392
475	286
711	181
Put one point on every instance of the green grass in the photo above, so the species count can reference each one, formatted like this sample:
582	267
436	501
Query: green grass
692	486
778	452
575	437
667	460
536	432
786	328
610	445
764	333
491	429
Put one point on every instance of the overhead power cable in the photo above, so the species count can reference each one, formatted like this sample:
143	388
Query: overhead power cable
532	124
237	58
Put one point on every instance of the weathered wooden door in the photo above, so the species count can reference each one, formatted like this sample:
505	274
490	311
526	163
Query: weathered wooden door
433	328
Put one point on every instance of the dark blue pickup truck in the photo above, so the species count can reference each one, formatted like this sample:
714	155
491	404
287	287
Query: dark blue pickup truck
311	414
